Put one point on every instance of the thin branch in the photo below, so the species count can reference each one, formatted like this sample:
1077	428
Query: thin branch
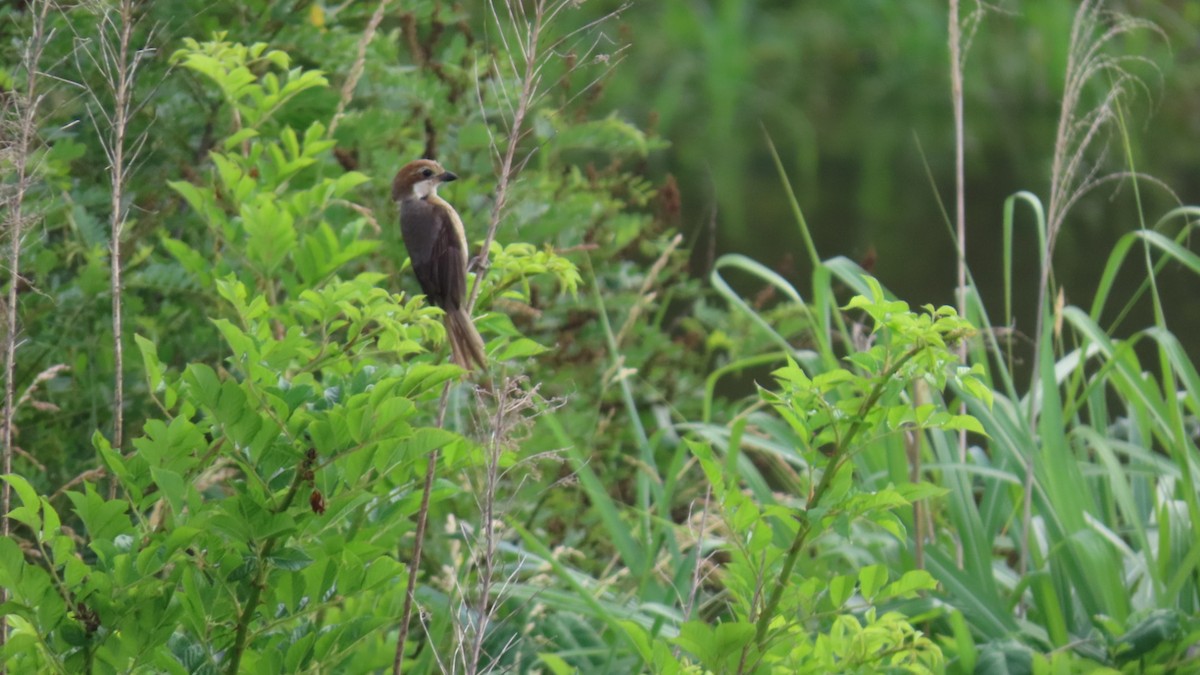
25	106
645	296
528	88
836	461
690	605
113	56
125	73
414	565
960	190
529	49
356	70
511	401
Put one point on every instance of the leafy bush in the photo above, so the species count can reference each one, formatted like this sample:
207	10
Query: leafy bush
302	469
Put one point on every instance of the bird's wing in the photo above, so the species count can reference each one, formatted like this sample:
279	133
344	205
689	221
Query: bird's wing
436	249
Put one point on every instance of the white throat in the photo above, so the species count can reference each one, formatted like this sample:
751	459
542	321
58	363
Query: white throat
423	189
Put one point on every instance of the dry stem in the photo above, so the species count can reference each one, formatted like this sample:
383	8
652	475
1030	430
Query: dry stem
356	70
516	405
414	565
25	107
960	190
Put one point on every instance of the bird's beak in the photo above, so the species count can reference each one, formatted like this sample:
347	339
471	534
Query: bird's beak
447	177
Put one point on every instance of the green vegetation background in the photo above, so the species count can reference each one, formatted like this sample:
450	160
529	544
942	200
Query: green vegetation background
715	439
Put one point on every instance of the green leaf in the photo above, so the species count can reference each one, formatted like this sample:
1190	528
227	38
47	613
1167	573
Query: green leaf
271	232
204	383
841	588
871	578
730	637
519	349
913	492
908	584
556	664
1161	626
966	422
103	519
238	138
290	559
171	486
12	562
28	495
1004	658
714	645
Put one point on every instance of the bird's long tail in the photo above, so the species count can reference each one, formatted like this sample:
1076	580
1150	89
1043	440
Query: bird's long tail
466	345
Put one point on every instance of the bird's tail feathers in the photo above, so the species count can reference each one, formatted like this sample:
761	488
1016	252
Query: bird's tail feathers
466	345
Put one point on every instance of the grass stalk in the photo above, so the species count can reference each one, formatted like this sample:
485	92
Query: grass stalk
414	564
120	70
530	79
23	106
960	192
356	70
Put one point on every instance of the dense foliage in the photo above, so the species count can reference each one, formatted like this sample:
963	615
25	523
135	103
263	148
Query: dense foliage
238	442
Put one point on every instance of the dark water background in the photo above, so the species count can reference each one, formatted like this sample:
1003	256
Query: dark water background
856	96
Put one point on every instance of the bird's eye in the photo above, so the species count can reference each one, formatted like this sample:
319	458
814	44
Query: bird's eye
427	172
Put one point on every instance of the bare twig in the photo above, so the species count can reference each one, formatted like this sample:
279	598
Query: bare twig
690	605
414	565
529	83
529	38
516	406
486	562
113	56
126	69
117	220
356	70
960	190
22	106
645	295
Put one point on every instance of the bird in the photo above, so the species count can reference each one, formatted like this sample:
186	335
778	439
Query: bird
437	244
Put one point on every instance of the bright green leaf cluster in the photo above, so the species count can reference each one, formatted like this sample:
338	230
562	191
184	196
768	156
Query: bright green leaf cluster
239	539
231	67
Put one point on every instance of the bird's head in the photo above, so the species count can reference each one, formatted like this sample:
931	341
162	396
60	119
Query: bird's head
419	179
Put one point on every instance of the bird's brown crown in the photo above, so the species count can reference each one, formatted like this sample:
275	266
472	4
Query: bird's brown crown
415	172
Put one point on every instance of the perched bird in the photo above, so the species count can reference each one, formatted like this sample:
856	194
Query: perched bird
437	245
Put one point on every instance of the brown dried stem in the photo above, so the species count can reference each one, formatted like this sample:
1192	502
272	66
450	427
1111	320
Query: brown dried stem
356	70
23	106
